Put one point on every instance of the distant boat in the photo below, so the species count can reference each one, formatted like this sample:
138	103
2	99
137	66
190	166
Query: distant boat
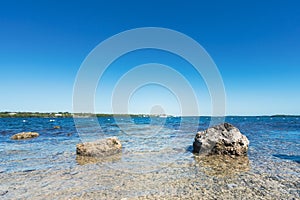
163	116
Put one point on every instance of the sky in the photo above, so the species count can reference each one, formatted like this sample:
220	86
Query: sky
254	44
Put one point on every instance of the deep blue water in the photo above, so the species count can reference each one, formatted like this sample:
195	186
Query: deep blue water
146	141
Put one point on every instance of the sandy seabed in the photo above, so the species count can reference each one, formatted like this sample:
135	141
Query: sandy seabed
204	178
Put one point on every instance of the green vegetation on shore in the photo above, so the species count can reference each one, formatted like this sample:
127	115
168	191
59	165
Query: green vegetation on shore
59	115
34	114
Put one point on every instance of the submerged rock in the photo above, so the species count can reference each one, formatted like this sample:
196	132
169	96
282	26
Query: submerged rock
223	139
24	135
83	160
99	148
222	165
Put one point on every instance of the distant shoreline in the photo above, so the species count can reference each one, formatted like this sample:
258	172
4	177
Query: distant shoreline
70	115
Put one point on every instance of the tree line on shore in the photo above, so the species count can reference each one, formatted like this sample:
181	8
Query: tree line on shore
59	115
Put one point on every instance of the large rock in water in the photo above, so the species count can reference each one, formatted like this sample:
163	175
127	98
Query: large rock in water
99	148
223	139
24	135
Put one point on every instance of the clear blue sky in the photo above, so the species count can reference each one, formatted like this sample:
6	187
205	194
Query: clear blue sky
255	44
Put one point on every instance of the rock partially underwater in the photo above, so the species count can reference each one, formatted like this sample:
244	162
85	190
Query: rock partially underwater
99	148
223	139
24	135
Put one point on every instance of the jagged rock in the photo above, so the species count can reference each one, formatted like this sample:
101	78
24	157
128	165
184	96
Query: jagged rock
223	139
99	148
24	135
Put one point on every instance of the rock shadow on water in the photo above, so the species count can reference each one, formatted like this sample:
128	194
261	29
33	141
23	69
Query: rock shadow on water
294	158
222	165
83	160
189	149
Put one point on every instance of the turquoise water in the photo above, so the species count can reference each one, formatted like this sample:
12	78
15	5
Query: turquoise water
148	143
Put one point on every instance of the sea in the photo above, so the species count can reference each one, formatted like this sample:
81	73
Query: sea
148	143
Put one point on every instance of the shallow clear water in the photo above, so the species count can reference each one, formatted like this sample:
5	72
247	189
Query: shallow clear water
148	143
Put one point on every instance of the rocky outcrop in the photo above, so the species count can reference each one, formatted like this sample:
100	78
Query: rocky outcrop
24	135
223	139
99	148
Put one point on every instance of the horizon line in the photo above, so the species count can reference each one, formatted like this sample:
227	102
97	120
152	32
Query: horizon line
163	114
